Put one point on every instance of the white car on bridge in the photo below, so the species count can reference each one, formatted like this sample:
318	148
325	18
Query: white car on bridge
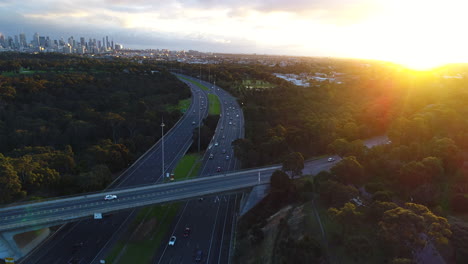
110	197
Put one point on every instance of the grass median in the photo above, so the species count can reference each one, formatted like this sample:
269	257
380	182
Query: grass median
182	106
215	106
144	235
195	82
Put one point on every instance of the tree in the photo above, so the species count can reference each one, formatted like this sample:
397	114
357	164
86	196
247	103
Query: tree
10	185
413	225
336	194
349	171
348	216
459	239
339	146
414	174
280	181
294	162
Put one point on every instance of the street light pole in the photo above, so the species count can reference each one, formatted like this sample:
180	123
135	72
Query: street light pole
199	121
162	149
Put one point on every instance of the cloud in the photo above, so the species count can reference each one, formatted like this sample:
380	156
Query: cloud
272	26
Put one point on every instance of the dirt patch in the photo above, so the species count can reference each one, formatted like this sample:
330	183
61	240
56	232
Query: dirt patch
274	220
25	238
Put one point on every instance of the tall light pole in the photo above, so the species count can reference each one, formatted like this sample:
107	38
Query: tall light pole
199	120
162	149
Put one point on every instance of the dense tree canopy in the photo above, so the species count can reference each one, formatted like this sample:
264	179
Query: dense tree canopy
67	122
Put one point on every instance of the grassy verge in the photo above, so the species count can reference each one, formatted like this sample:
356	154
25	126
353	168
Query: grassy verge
215	106
182	106
144	235
187	167
195	82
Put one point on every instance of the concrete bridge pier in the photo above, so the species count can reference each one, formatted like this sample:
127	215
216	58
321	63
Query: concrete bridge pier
17	243
8	246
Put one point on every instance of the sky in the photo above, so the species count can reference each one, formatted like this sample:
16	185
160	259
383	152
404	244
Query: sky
425	32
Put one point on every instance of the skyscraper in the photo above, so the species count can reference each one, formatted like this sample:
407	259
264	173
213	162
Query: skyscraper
35	40
16	42
22	40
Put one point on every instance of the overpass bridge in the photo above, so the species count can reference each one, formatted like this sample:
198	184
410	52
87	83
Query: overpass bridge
59	211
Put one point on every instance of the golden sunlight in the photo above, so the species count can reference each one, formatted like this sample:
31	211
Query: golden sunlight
417	34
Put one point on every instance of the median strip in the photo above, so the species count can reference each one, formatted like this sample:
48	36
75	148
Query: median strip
145	233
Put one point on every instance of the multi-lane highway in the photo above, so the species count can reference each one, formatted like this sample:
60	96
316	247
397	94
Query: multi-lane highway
94	235
211	220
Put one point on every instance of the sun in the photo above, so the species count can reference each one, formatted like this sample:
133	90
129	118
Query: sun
417	34
421	63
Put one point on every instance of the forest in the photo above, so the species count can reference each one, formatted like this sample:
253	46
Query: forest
69	124
387	204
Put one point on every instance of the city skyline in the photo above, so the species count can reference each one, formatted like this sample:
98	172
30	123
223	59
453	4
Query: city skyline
418	33
44	43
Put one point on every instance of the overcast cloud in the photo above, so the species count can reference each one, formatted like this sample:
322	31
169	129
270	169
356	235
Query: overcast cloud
299	27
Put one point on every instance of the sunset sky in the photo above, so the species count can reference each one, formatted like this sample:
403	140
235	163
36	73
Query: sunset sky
413	32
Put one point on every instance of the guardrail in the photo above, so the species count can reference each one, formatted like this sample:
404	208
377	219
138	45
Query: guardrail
118	207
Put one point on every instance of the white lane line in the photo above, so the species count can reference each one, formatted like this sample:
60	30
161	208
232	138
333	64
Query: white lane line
233	228
224	228
212	234
173	231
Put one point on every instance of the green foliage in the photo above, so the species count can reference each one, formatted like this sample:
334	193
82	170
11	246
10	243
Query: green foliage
335	194
207	131
348	216
280	181
349	171
10	185
403	226
63	116
294	163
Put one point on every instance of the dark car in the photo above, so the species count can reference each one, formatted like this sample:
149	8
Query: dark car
187	232
218	169
199	255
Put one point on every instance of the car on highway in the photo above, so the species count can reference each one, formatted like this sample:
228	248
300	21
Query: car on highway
216	144
172	240
193	123
110	197
227	157
223	136
211	156
224	151
218	169
331	159
187	232
199	255
230	122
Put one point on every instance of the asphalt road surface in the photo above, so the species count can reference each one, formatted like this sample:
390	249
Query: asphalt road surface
93	236
211	220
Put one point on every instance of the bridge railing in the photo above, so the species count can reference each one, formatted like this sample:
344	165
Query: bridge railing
227	173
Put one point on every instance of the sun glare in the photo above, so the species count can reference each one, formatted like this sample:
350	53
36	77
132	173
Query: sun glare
417	34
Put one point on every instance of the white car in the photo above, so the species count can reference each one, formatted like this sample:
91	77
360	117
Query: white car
172	240
331	159
216	144
110	197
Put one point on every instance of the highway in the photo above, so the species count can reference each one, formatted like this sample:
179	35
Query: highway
92	235
211	221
